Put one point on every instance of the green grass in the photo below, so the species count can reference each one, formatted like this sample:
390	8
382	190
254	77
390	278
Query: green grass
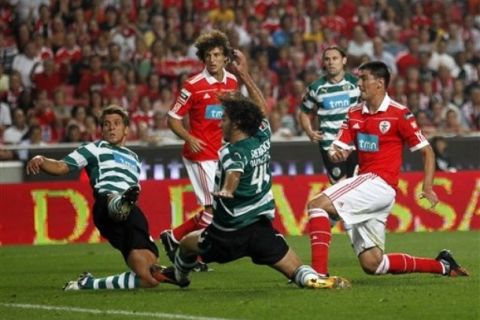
240	290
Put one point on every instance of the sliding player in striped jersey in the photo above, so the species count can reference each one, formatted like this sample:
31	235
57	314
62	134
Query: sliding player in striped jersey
244	207
114	173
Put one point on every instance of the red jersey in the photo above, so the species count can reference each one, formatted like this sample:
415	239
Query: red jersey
199	98
379	137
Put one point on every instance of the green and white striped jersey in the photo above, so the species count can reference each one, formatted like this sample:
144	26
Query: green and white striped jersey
332	101
253	198
111	169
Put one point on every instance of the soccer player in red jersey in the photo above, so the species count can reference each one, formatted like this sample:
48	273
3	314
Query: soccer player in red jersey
378	129
198	99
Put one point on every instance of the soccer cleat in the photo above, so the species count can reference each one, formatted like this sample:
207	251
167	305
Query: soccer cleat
453	269
169	244
79	283
127	202
328	283
202	267
168	275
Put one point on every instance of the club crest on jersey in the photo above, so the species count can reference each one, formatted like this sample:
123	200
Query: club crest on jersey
214	112
384	126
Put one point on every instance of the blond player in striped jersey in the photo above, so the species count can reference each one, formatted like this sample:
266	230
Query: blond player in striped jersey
114	172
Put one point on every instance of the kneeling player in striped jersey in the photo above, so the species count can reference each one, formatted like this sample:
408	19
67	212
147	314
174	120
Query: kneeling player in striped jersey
114	172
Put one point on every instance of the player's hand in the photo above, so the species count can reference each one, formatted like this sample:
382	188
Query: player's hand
315	136
239	63
33	166
196	145
338	155
431	196
223	194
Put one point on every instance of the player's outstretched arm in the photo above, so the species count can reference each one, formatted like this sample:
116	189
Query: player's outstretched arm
232	180
429	172
50	166
240	68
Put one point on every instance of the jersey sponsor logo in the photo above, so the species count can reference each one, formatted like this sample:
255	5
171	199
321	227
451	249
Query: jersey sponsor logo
384	126
184	96
123	160
368	142
336	101
214	112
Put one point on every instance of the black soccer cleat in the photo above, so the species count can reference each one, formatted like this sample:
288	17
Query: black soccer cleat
130	196
167	275
169	244
453	269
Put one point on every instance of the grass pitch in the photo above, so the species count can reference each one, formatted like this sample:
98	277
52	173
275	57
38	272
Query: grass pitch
32	277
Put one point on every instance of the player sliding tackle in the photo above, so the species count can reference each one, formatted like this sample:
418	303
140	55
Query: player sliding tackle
243	205
378	128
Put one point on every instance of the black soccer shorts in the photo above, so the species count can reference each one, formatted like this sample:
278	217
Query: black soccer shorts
124	235
259	241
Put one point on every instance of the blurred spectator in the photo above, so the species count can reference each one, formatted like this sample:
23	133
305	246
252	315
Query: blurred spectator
73	134
442	160
18	129
471	109
33	137
93	79
453	125
25	63
49	79
46	118
380	54
440	57
358	46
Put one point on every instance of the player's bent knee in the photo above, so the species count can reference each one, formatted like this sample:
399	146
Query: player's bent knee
369	267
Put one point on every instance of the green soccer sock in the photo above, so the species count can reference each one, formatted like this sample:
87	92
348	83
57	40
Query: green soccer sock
126	280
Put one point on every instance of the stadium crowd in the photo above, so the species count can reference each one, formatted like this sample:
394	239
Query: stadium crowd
62	61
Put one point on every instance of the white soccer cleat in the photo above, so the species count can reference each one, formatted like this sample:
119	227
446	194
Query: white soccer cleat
78	284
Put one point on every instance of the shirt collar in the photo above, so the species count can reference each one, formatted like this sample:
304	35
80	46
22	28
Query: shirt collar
383	106
211	79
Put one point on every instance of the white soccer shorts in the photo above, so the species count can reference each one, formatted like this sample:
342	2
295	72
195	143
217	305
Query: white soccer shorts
202	178
364	202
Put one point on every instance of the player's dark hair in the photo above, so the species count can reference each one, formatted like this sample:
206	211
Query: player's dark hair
378	69
336	48
210	40
114	109
242	112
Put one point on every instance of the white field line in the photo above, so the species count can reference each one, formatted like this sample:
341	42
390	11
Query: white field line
159	315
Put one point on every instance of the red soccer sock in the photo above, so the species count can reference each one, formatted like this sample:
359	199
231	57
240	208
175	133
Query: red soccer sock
403	263
199	221
320	236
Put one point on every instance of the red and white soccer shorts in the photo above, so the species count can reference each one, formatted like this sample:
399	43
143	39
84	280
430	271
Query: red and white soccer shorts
202	178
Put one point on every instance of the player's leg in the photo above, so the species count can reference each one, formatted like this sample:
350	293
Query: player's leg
266	246
368	242
202	178
320	210
132	238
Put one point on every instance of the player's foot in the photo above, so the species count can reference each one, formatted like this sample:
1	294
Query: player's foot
169	244
169	275
79	283
328	283
202	267
128	199
453	269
